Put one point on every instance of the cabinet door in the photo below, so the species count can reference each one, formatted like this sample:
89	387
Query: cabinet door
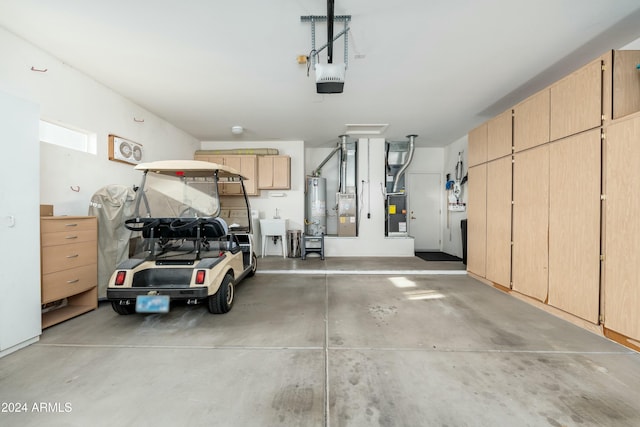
274	172
236	163
626	83
207	158
499	136
216	159
531	222
499	221
282	172
265	172
574	225
248	168
622	229
477	220
478	145
576	101
531	122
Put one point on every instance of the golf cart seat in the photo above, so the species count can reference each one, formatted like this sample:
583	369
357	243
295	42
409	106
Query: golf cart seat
180	228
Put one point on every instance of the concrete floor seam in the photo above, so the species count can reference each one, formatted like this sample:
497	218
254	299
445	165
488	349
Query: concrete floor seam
326	348
368	272
177	347
484	351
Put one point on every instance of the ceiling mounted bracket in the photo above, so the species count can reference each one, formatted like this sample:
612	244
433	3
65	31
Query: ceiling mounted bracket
345	19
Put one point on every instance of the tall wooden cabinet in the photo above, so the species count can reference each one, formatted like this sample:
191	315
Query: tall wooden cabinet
531	222
499	221
574	224
69	259
575	228
489	202
477	220
622	228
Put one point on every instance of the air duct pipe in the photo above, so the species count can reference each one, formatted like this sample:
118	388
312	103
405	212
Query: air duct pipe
404	167
343	165
316	171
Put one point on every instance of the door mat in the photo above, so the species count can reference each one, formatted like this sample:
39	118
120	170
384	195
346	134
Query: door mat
437	256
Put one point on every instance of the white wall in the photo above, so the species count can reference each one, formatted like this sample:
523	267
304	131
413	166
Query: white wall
70	97
452	239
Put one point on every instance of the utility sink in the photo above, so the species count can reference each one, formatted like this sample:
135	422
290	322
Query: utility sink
274	227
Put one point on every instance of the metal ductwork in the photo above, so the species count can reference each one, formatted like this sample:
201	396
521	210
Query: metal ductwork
346	196
404	167
343	164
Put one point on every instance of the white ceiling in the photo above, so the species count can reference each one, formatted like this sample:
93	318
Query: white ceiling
436	68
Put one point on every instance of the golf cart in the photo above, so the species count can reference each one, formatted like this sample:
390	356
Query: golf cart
187	251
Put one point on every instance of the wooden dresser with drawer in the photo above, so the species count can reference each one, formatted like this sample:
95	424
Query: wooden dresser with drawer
69	257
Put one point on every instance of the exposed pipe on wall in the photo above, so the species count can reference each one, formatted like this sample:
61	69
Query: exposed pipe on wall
343	165
316	171
404	167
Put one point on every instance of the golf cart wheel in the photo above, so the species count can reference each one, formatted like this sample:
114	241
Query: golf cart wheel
254	265
123	309
222	301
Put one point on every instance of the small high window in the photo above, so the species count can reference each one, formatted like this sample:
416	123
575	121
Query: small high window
68	137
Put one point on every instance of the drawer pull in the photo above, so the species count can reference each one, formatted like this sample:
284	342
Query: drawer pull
73	281
71	225
71	237
73	256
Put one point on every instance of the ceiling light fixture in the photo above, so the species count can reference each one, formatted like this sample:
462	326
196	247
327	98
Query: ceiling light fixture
237	130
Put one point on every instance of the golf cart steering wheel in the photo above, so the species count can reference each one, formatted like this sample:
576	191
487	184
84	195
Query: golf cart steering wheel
141	223
179	224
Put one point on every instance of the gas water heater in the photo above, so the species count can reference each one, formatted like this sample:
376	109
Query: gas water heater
346	200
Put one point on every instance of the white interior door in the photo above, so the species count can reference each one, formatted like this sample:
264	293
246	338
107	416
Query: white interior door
424	216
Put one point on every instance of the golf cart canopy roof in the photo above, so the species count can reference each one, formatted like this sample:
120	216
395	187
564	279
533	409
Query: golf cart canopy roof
189	168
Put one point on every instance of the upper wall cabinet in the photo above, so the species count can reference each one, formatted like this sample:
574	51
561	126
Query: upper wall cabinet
478	145
274	172
531	121
576	101
247	165
626	82
499	136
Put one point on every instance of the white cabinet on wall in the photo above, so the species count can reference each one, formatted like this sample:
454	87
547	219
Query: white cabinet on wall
19	226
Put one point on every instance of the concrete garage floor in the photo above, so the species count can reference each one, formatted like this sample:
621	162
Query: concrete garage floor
325	346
